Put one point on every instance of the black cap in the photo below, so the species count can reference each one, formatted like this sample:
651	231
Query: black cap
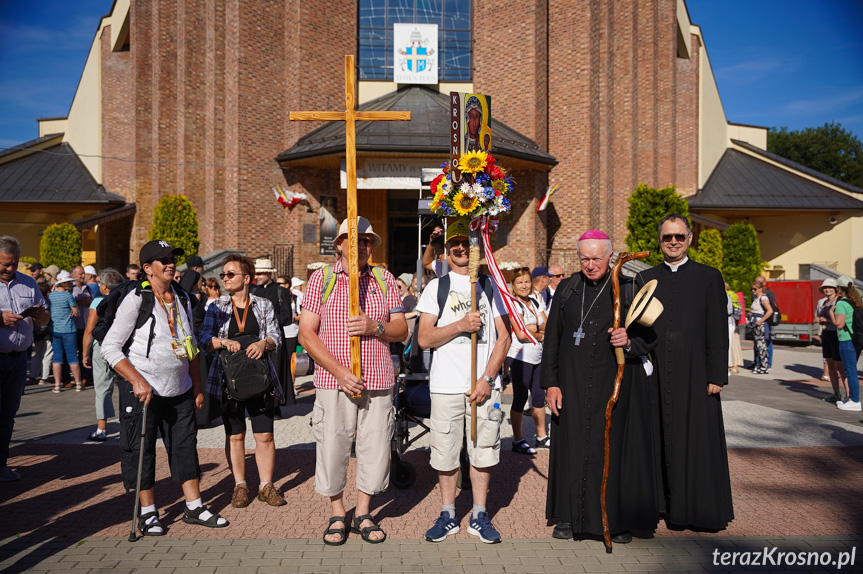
194	261
157	249
36	267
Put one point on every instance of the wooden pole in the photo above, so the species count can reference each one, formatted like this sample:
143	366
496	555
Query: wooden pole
473	265
350	116
615	393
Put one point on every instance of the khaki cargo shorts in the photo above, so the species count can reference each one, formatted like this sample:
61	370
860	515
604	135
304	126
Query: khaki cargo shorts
450	423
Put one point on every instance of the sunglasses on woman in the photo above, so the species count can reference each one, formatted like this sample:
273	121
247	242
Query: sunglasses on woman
165	260
230	275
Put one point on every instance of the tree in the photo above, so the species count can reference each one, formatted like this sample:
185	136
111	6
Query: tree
710	248
647	207
829	149
175	221
60	246
741	263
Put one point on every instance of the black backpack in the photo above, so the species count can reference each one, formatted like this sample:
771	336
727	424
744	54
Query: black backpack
413	352
106	311
776	317
856	325
245	378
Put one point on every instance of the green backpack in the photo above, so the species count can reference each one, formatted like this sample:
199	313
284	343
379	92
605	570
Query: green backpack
330	282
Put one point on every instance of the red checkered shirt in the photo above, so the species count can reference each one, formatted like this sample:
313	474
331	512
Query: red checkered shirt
376	363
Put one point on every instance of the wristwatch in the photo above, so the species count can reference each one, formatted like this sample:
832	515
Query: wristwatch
380	330
489	380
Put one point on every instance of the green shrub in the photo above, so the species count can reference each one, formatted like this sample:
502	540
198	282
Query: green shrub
28	261
647	207
710	248
60	246
175	221
741	263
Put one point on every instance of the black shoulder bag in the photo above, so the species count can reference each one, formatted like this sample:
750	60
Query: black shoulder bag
245	378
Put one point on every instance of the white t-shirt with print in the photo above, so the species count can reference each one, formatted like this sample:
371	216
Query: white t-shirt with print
451	363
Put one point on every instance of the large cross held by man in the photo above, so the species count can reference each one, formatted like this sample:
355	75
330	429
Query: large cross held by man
350	116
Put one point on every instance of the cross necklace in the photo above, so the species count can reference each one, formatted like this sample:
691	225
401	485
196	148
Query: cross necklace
580	334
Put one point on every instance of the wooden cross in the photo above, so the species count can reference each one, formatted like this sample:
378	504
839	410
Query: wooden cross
350	116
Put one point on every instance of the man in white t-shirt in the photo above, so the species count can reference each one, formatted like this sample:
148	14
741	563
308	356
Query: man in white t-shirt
448	332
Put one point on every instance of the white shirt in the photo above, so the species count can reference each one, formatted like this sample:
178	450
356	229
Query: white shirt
168	375
449	369
293	330
527	352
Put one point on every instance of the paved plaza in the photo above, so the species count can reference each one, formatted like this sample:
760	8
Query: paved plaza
796	471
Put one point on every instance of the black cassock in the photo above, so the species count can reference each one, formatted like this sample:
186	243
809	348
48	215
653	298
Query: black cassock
691	351
585	374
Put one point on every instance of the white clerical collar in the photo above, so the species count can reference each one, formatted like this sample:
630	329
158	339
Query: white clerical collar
674	266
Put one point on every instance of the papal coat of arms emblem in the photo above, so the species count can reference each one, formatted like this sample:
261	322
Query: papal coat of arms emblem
416	58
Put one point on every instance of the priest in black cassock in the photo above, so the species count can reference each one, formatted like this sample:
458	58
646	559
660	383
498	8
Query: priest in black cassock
578	372
267	288
692	367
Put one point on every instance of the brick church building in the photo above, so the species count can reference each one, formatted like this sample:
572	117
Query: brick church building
596	96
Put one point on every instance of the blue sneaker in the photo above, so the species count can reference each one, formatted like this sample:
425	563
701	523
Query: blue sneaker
443	527
481	526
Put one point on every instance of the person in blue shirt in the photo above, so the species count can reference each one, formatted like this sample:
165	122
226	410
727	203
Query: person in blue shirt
65	342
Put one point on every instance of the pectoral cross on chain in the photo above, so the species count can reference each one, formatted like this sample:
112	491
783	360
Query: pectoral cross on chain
578	336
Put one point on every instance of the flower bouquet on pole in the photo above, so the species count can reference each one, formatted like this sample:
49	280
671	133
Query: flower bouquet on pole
477	191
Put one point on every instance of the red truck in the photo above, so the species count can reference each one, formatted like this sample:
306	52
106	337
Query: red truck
797	301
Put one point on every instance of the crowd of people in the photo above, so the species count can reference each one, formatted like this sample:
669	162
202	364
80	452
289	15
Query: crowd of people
184	351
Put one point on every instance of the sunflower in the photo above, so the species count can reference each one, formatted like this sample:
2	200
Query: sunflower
500	186
464	204
473	161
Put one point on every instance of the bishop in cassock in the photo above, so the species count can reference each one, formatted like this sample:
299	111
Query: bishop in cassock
691	363
578	372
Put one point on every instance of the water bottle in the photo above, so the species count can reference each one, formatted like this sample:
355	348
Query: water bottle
495	414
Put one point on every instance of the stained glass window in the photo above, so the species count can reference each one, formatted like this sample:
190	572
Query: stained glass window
375	43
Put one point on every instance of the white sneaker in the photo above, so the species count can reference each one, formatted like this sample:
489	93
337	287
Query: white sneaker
849	405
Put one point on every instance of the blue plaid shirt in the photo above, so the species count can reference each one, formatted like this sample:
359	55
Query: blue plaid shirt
216	323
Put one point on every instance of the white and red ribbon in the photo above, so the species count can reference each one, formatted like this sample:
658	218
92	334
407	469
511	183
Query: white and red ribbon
488	225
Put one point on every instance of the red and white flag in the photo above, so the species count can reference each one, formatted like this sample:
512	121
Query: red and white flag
287	198
544	203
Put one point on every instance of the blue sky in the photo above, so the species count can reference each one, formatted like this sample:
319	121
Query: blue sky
794	63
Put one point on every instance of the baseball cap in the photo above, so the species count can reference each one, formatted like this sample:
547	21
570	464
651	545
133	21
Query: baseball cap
540	272
157	249
844	280
36	267
194	261
460	228
90	270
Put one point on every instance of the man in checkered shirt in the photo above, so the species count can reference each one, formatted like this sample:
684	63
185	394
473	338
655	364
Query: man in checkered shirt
325	331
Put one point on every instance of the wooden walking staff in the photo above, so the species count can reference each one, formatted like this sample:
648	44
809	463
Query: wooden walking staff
473	266
350	116
615	393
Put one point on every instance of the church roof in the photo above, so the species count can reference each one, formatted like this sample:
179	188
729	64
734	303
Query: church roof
753	181
428	131
53	175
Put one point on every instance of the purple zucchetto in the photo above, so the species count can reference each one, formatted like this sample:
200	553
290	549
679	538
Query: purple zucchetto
593	234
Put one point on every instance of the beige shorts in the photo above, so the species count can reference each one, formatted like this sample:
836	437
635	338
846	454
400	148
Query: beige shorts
336	418
450	423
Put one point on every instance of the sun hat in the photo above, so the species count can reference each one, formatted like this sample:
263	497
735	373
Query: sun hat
829	282
364	227
63	277
645	307
296	282
52	270
264	266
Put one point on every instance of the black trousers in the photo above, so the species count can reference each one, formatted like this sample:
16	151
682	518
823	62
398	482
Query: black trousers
174	419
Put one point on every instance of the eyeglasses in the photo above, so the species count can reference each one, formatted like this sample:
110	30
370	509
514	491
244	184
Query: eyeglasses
679	237
462	242
281	283
365	241
230	275
558	276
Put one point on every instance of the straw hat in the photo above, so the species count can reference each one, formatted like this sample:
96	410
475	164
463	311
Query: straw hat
52	270
645	308
364	227
264	266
